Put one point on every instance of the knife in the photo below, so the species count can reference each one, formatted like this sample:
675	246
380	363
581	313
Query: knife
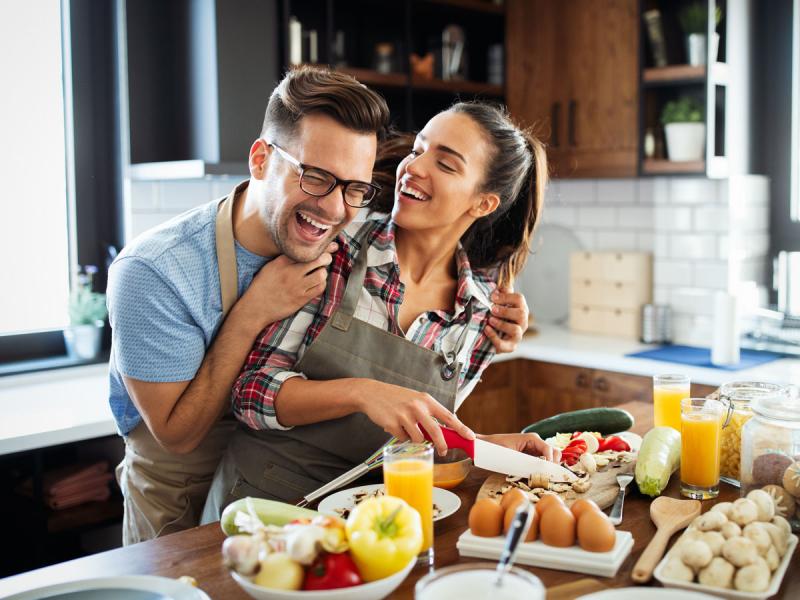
499	459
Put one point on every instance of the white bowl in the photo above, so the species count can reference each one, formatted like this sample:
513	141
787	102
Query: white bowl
374	590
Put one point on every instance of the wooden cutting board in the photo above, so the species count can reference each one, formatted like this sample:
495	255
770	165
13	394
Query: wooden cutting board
603	491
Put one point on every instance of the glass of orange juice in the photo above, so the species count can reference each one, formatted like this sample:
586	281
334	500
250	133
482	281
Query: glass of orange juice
668	391
408	474
701	433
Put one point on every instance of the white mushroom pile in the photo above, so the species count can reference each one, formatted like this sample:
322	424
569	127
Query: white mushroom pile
736	545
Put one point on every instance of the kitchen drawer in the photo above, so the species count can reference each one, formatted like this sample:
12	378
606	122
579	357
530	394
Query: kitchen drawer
609	294
608	321
629	267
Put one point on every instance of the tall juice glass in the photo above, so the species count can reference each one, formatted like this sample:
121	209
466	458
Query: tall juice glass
701	435
408	474
668	391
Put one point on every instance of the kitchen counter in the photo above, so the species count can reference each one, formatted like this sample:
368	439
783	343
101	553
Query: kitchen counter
557	344
48	408
196	552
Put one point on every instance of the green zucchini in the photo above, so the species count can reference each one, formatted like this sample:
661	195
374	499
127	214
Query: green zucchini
269	512
602	420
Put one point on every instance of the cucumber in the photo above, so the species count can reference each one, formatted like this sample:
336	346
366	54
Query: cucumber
269	511
602	420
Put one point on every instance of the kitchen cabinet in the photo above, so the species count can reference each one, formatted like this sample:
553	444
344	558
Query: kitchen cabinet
515	393
573	75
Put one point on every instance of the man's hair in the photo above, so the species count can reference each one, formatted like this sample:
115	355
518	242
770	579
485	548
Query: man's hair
316	90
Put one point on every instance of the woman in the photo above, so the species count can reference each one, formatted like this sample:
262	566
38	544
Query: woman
402	333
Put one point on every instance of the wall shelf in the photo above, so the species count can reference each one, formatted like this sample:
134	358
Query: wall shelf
658	166
674	74
372	77
457	86
484	6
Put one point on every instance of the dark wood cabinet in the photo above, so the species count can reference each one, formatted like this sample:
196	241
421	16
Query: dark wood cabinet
573	76
515	393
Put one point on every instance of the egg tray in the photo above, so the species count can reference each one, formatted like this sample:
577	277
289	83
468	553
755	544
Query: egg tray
539	554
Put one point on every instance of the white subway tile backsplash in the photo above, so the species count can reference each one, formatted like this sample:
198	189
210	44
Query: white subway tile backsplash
661	295
661	190
713	275
222	186
181	195
578	191
587	237
692	246
693	190
674	273
646	192
552	194
669	218
635	217
693	301
597	217
615	240
723	244
711	218
561	215
617	191
645	241
661	245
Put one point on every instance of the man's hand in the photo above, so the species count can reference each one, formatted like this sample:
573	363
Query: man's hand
529	443
282	287
401	412
509	320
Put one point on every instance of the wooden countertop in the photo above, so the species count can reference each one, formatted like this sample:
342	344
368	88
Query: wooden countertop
196	552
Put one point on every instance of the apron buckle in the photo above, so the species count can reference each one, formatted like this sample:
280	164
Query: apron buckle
448	372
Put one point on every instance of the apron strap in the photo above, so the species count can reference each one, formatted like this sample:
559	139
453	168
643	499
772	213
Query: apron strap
226	251
344	315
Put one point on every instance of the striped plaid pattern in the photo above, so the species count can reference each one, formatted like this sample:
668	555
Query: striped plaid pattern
282	344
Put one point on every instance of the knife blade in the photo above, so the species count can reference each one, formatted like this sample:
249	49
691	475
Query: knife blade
499	459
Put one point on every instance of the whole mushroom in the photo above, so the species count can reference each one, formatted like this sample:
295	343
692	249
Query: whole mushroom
730	530
764	503
744	511
696	554
723	507
675	569
739	551
718	573
710	521
756	533
753	578
714	540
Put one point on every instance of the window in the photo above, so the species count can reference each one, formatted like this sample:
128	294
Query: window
34	222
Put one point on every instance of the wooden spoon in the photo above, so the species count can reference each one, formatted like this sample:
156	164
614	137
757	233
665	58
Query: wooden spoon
669	516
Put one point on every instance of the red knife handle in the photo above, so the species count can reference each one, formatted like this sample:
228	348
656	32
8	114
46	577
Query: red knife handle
454	440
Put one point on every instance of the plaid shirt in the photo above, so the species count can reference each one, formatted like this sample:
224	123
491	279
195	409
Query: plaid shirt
281	345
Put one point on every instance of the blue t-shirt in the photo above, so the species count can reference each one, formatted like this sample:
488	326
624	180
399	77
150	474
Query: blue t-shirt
165	304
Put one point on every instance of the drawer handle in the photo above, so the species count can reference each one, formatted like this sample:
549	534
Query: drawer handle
587	282
617	312
618	285
582	381
601	384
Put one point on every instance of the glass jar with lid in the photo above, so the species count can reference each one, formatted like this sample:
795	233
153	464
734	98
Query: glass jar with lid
771	451
737	396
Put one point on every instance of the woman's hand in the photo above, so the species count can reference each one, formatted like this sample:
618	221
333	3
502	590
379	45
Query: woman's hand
529	443
509	320
404	413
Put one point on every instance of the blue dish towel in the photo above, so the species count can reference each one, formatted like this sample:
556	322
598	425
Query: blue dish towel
701	357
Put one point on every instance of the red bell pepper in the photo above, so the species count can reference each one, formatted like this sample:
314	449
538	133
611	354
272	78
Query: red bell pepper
332	571
572	453
613	443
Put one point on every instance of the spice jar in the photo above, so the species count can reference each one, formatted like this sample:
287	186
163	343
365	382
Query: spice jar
738	396
771	451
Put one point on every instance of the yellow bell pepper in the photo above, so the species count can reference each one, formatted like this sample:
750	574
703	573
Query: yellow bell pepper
384	533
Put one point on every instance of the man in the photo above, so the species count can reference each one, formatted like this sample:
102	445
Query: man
175	355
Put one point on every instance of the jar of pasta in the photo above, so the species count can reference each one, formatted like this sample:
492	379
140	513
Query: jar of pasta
738	397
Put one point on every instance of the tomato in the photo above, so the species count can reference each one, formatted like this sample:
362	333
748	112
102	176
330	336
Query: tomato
332	571
614	443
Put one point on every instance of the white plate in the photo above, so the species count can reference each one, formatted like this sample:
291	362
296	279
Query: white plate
774	586
447	502
124	587
636	593
545	279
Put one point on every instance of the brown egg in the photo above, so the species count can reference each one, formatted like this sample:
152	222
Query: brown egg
486	518
595	532
512	496
547	501
509	517
557	526
581	505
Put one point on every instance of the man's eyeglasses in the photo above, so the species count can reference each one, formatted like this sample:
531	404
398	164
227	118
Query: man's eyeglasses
319	182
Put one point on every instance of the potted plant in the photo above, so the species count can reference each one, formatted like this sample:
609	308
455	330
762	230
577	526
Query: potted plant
684	129
87	313
694	22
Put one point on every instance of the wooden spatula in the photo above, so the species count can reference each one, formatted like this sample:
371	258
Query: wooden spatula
669	516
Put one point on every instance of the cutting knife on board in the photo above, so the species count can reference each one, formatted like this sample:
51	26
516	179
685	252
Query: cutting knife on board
499	459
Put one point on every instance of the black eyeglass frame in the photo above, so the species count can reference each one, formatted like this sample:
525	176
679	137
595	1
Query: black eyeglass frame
335	181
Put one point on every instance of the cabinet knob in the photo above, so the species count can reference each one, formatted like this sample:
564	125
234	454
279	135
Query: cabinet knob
555	117
582	380
601	384
571	109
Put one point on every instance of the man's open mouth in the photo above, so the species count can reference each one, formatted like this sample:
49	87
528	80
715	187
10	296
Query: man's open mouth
310	226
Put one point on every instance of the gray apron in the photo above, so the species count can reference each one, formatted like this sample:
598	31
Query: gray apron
164	492
286	465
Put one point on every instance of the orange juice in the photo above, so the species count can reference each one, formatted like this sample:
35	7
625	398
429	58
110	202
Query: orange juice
412	480
667	406
700	449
